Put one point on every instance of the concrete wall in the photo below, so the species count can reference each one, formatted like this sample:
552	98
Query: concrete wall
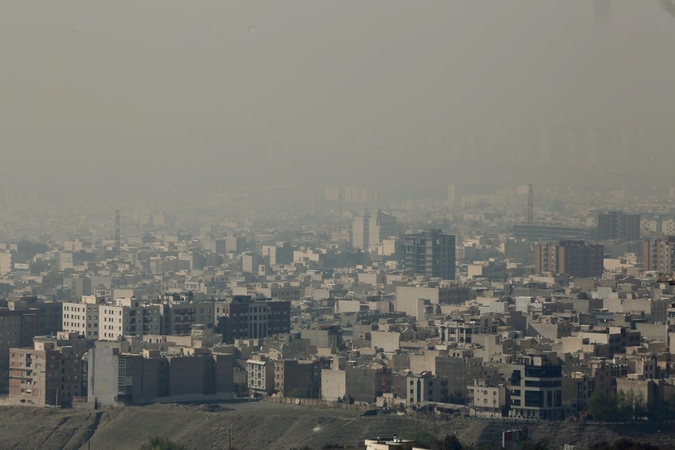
186	375
103	366
387	341
150	382
333	384
654	331
423	363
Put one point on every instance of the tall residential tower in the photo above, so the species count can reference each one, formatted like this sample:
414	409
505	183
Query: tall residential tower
431	253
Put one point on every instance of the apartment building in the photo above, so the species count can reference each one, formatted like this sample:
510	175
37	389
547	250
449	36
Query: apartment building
179	317
535	388
463	330
659	254
50	312
81	318
5	263
617	338
17	329
118	377
370	229
260	372
279	254
293	378
618	225
129	317
424	388
280	291
431	253
324	336
50	373
487	400
571	258
242	317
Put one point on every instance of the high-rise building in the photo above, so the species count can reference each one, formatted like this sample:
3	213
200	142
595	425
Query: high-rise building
5	263
371	229
431	253
571	258
281	253
332	193
659	254
619	225
451	196
352	194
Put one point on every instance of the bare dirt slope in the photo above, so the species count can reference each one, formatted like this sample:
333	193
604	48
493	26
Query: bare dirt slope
270	426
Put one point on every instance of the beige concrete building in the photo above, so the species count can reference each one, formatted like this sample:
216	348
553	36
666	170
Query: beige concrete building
487	401
51	373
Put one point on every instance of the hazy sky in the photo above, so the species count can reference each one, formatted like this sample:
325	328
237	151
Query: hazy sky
295	89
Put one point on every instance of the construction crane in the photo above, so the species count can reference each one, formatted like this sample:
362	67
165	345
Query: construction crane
666	278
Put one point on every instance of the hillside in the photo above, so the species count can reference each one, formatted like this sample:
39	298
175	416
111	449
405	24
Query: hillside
272	426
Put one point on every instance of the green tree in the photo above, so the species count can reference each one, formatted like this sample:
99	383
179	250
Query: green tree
640	409
603	407
423	439
448	443
624	405
158	443
630	405
457	398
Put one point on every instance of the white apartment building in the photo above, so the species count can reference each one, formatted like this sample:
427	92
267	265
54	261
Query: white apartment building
260	375
129	317
123	317
81	318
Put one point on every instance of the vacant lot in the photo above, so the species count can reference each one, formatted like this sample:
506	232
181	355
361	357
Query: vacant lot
269	426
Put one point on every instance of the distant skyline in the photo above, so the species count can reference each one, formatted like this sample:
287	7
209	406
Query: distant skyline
305	93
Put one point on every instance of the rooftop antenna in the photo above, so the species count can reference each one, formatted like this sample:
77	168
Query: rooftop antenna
117	233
